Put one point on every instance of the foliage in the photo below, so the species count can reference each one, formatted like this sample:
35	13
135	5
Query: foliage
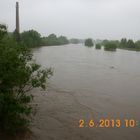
18	75
124	43
74	41
3	31
98	46
105	42
137	45
52	40
89	42
110	47
130	43
30	38
62	40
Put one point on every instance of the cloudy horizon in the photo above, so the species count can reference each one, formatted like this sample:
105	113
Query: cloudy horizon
98	19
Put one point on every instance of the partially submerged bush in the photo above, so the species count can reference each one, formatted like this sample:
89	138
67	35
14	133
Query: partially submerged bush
89	42
110	47
98	46
18	75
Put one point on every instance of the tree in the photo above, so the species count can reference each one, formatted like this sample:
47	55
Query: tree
89	42
130	44
74	41
3	31
62	40
18	75
104	42
137	44
98	46
110	47
31	38
52	40
123	43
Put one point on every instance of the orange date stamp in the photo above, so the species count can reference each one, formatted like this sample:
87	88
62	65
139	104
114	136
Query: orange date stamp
108	123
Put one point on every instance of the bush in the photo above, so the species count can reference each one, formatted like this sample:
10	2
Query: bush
89	42
52	40
18	75
110	47
98	46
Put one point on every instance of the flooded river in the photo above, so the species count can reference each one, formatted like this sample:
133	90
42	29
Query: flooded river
88	84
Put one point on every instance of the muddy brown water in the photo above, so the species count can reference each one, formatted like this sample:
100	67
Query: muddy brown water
88	84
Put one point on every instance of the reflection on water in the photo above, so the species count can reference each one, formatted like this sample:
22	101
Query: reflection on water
105	82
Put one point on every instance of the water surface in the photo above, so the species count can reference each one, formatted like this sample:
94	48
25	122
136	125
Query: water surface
89	84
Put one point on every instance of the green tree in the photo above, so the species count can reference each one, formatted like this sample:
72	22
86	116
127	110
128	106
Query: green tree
52	40
104	42
62	40
98	46
3	31
89	42
110	47
130	43
123	43
18	75
74	41
31	38
137	44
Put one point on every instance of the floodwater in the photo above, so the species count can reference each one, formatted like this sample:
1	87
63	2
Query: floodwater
88	84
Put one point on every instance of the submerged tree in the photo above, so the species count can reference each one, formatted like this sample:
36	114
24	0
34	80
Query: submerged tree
18	75
89	42
110	47
137	44
74	41
130	43
52	40
62	40
98	46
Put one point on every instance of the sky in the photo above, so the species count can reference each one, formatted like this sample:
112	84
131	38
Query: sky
97	19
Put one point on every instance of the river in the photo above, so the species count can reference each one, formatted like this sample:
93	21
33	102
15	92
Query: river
88	84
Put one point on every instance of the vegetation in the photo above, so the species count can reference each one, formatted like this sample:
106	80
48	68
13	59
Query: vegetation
116	42
98	46
89	42
74	41
18	75
52	40
110	47
137	45
122	44
31	38
129	44
3	31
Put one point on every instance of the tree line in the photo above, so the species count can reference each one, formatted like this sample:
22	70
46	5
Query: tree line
32	38
112	45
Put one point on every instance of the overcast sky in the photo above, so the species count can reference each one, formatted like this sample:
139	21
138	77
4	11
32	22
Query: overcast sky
110	19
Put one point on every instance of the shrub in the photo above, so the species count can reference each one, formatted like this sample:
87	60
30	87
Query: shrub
89	42
110	47
98	46
18	75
